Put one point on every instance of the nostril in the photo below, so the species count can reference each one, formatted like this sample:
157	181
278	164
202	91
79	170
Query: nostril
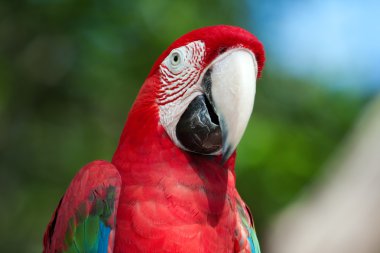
222	50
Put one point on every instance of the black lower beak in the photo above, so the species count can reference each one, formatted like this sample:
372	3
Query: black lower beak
198	129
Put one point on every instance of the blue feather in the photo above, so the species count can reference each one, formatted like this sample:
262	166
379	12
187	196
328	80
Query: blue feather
103	238
250	239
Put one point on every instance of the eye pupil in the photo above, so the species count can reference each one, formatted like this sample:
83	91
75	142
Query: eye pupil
175	58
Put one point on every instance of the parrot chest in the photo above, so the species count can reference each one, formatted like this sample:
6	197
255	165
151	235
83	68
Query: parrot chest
188	211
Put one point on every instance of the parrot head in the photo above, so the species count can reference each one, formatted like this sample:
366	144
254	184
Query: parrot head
201	90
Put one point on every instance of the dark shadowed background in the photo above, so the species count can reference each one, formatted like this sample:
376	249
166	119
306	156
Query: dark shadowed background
70	70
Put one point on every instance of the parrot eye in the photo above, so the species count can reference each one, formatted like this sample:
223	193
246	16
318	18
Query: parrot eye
181	58
175	59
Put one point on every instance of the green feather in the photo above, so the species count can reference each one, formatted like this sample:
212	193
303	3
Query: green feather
83	231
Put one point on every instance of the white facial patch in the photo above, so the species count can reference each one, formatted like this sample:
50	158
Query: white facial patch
181	82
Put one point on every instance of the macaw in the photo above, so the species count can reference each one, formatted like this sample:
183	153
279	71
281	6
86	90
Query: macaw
171	184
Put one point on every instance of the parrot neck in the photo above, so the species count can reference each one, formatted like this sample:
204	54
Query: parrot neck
154	169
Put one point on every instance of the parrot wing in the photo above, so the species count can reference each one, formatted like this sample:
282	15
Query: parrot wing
85	218
245	234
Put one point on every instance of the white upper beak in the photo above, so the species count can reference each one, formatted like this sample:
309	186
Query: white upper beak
233	92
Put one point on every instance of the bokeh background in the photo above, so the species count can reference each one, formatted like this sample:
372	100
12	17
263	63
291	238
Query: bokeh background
70	70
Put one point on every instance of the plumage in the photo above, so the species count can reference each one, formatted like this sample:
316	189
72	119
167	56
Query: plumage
84	220
158	195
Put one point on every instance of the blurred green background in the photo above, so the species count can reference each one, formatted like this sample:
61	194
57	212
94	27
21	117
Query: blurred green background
70	70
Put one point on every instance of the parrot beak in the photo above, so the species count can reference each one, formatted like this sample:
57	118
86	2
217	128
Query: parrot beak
215	121
233	89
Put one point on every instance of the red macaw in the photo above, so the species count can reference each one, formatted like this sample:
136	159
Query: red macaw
171	184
